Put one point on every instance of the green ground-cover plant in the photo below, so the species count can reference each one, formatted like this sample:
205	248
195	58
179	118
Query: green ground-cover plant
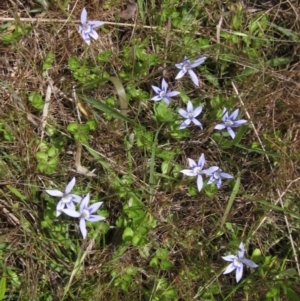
137	112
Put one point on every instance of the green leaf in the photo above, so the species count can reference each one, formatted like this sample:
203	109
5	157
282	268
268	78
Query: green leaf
127	234
166	264
36	100
2	287
16	192
231	199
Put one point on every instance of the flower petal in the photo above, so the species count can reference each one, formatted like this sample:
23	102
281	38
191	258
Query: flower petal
84	202
231	132
239	123
82	227
198	123
225	114
71	206
229	269
166	100
188	172
192	163
210	171
239	273
220	126
164	85
59	207
190	108
219	182
198	61
156	89
234	115
194	77
156	98
183	113
180	74
95	207
201	161
83	16
75	198
71	212
198	111
94	35
172	93
249	263
95	218
226	175
70	186
229	257
96	24
185	124
241	251
55	192
199	182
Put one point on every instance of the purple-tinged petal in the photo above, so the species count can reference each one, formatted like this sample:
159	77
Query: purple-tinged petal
186	60
71	206
70	186
96	24
199	182
218	182
95	218
172	93
190	108
231	132
59	207
95	207
234	115
198	123
179	65
211	180
229	257
188	172
180	74
164	85
156	89
239	123
82	227
201	161
249	263
225	114
210	171
198	111
226	175
229	269
84	202
239	273
198	62
194	77
94	35
185	124
71	213
75	198
86	39
55	192
183	113
192	163
166	100
156	98
83	16
241	251
220	126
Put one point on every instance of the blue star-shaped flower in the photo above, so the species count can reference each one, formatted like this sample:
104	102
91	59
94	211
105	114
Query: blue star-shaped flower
190	114
86	29
238	262
187	66
230	122
196	170
162	93
216	175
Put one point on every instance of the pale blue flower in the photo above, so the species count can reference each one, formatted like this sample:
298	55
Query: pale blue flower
187	66
162	93
216	175
86	29
230	122
67	198
190	114
196	170
238	262
85	213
